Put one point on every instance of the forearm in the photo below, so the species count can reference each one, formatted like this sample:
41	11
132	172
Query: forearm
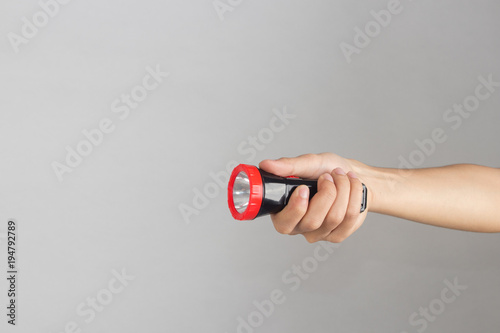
463	196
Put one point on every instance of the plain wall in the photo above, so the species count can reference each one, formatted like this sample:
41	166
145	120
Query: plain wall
119	209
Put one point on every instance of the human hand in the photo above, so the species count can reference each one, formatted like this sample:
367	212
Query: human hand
333	213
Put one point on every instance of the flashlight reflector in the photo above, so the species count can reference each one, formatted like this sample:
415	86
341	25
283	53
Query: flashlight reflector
241	192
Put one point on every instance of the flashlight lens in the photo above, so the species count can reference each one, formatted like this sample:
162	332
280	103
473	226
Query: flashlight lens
241	192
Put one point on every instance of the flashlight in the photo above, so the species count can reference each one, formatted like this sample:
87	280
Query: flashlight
252	192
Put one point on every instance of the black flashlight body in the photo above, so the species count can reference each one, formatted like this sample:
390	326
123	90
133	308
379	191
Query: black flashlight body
277	191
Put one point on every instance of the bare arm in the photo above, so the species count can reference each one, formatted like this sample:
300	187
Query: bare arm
462	196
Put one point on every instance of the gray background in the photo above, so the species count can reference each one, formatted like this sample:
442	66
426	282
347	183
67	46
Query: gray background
119	209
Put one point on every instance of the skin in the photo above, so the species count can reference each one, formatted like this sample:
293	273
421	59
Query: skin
461	196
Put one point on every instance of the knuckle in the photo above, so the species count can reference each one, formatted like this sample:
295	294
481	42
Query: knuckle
286	160
309	155
313	158
283	229
327	157
316	223
334	219
298	210
337	238
356	184
310	225
311	239
352	212
342	184
305	228
342	180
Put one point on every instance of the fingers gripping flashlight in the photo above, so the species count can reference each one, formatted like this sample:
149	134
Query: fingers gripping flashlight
253	192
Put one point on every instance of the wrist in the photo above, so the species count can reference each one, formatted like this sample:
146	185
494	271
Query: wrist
380	183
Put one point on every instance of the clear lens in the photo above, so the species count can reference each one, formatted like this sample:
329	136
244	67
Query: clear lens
241	192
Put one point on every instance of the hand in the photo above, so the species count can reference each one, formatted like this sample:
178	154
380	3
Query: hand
333	213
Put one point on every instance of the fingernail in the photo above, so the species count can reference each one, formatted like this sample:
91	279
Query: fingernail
339	171
352	174
328	177
304	192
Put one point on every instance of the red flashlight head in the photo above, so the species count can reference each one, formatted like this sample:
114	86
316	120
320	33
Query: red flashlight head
245	192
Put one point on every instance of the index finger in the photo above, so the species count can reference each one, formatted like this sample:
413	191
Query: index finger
305	166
